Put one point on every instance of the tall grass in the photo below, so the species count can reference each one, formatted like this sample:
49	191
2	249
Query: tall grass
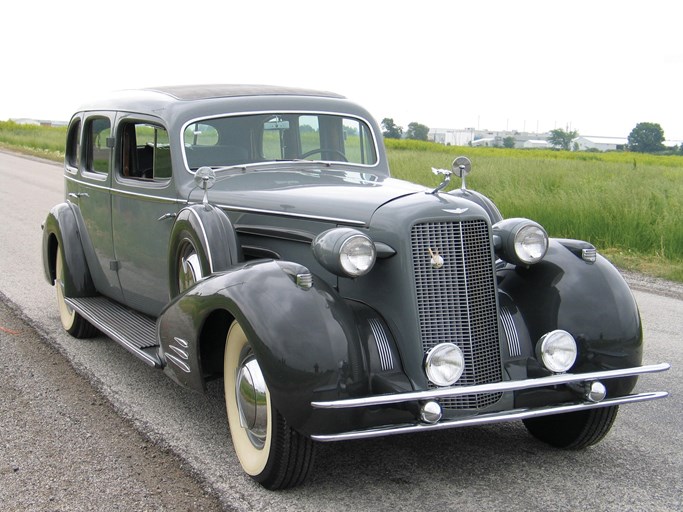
45	141
628	205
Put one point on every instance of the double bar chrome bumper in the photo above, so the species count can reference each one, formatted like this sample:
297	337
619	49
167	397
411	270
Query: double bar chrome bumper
496	417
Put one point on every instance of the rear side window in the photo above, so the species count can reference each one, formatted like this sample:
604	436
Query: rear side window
145	151
98	152
73	145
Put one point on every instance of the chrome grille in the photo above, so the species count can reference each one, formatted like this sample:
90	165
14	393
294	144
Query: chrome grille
457	302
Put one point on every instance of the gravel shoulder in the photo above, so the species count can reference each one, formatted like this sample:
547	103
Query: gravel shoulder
653	285
64	447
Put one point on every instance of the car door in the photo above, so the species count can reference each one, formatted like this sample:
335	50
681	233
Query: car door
144	204
89	191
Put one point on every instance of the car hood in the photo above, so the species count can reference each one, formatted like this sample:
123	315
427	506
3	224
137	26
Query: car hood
340	196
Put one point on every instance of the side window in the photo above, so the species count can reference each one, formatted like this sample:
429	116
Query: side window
358	146
73	145
98	154
145	151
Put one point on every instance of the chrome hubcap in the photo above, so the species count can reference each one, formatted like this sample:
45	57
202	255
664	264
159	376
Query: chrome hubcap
252	402
190	269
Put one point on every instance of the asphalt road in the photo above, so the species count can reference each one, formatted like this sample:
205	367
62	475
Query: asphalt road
639	466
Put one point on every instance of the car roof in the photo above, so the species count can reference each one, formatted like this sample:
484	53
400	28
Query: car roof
206	91
178	102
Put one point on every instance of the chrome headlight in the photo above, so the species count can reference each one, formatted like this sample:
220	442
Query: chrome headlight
557	350
520	241
444	364
345	252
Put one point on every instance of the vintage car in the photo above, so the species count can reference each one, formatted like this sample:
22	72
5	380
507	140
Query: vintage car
255	234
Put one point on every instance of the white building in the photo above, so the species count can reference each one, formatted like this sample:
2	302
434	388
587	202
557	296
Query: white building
536	144
589	142
451	137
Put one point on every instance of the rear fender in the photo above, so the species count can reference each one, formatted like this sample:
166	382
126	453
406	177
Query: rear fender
212	235
60	229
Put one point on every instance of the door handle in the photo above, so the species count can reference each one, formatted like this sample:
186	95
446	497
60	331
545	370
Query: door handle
78	194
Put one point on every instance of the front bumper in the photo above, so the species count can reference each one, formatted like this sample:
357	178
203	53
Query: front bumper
495	417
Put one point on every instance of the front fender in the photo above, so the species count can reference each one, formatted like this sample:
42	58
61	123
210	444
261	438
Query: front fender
60	229
589	300
305	339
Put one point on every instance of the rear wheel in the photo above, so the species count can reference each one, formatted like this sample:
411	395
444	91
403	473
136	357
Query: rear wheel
269	450
574	430
72	322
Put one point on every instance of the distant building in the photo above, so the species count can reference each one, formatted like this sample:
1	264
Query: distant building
451	137
595	143
536	144
490	138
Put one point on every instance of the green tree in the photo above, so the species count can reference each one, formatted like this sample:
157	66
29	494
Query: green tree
417	131
646	138
391	130
562	139
509	142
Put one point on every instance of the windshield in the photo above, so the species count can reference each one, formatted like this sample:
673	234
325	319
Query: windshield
259	138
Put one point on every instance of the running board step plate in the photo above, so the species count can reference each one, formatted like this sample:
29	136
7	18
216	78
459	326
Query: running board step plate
134	331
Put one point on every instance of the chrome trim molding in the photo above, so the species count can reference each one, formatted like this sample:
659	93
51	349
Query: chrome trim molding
510	332
385	357
486	419
178	362
279	213
127	193
496	387
206	239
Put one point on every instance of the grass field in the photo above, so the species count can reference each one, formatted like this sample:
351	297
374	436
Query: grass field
629	205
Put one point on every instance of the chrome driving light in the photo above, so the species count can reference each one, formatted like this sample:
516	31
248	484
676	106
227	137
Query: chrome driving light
557	350
345	252
520	241
444	364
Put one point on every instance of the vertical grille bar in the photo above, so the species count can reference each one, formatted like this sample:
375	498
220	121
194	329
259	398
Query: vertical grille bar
456	302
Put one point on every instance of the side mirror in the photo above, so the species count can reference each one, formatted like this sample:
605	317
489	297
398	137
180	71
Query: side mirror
205	178
461	168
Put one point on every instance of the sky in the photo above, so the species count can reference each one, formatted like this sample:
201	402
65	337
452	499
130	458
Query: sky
597	67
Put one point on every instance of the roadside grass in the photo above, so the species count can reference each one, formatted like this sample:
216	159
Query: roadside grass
629	205
44	141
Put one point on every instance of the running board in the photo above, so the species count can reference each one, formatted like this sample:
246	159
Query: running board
132	330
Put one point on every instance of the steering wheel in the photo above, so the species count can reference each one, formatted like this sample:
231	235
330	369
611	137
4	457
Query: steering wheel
321	151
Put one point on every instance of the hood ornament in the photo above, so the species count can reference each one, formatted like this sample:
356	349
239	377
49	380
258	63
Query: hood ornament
446	179
461	167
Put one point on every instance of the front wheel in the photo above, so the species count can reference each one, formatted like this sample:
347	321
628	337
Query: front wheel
269	450
574	430
72	321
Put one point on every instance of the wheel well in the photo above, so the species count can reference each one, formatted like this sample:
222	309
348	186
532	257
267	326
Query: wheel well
52	246
212	343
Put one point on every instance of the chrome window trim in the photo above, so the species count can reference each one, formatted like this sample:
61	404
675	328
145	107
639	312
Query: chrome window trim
275	112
